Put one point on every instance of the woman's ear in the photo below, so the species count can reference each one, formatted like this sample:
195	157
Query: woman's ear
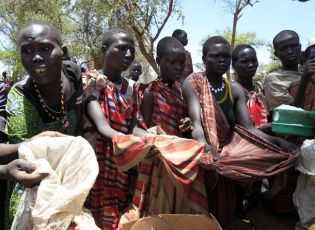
104	49
158	60
234	65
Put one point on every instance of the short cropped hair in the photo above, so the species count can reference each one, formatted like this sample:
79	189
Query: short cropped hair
281	35
108	36
177	32
50	26
167	43
212	41
238	49
307	52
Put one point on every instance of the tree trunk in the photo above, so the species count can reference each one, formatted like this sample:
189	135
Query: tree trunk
235	19
233	35
149	56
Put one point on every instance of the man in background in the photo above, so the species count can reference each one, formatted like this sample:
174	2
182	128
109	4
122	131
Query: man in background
135	71
181	35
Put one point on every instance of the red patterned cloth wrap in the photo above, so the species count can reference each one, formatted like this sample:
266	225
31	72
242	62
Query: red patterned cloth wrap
166	162
112	189
257	106
240	154
168	107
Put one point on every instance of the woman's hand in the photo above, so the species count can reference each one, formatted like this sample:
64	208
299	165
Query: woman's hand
308	70
49	134
210	150
287	146
22	172
185	125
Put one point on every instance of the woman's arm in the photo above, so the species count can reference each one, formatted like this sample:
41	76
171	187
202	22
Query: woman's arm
79	111
243	118
147	106
21	171
194	112
95	113
8	152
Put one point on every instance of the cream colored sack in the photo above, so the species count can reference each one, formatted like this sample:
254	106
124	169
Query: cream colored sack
72	168
304	195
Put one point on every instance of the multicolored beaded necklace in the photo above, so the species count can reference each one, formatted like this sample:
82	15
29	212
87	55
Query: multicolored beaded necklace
62	114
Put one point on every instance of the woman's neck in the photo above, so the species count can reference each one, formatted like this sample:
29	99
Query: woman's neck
214	79
167	81
51	92
112	74
246	83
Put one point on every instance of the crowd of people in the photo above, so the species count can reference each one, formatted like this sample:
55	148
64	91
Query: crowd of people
226	122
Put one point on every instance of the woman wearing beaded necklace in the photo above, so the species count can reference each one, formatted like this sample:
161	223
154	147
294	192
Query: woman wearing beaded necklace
50	98
217	108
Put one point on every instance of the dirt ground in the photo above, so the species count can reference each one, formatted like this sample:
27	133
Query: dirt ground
262	219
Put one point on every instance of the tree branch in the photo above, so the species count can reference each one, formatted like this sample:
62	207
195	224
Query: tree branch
169	12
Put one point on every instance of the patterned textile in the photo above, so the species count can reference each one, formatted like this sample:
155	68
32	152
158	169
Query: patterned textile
4	89
276	87
157	191
110	194
25	119
138	95
178	168
241	155
257	105
168	108
25	116
309	101
126	88
90	94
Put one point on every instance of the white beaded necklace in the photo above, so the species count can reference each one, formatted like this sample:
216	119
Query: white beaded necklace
219	89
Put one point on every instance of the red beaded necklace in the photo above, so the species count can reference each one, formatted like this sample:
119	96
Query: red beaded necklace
62	114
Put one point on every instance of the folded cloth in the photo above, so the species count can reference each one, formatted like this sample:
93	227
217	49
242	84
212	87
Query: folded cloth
72	168
167	165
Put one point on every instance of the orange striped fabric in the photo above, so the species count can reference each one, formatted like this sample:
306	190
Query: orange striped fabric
112	190
168	107
167	162
241	155
138	92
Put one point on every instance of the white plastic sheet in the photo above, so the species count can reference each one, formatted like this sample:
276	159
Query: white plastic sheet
72	169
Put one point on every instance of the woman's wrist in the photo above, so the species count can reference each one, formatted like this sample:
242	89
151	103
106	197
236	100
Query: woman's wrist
3	172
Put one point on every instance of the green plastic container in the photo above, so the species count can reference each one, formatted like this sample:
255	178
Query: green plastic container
296	122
